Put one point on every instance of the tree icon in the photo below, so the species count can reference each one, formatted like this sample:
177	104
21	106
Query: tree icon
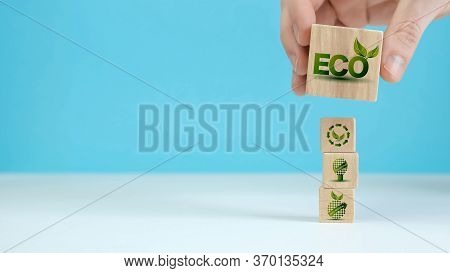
340	166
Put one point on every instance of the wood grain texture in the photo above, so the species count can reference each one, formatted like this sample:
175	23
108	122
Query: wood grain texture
338	135
325	199
349	175
340	40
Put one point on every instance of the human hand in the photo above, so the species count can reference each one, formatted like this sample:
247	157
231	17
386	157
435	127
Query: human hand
406	20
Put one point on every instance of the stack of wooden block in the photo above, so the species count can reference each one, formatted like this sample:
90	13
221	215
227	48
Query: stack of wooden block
343	63
340	170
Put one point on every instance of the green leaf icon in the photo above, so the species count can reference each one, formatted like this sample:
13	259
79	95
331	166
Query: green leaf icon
334	196
359	49
340	197
341	137
373	53
335	136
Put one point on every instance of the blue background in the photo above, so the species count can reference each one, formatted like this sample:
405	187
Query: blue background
65	110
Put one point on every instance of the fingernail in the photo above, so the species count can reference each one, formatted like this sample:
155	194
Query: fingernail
296	34
395	65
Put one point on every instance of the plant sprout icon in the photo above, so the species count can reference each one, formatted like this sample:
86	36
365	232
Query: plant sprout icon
340	166
362	51
338	135
336	208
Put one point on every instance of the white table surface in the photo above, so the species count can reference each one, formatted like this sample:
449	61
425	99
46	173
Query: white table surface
218	213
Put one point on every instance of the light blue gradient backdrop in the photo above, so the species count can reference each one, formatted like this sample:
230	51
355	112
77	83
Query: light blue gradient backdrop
65	110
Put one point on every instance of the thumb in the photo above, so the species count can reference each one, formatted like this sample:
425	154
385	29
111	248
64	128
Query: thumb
402	36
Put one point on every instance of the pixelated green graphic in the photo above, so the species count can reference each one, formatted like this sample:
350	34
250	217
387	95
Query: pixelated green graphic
362	51
338	135
336	208
340	166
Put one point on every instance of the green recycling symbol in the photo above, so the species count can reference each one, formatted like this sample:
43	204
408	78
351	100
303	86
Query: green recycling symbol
338	135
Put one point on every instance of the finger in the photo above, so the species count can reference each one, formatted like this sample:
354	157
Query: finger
351	13
409	21
371	3
381	13
444	12
339	23
326	15
299	84
302	61
303	16
288	39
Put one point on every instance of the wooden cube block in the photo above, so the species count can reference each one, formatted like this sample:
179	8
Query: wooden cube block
344	62
340	170
336	205
338	135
